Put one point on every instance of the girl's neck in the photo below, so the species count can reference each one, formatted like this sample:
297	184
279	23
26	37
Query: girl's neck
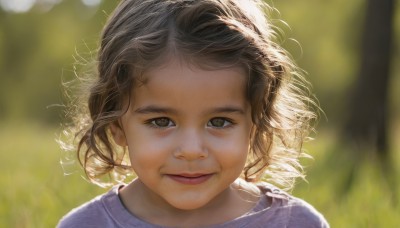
233	202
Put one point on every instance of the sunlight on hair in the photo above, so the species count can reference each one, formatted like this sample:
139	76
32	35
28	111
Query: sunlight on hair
17	6
91	2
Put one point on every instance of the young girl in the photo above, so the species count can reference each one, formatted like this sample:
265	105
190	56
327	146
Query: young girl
206	108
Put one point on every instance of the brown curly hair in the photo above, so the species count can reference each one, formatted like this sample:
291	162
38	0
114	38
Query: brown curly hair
210	33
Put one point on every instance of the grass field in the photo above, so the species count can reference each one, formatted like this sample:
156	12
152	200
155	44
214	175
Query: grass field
36	193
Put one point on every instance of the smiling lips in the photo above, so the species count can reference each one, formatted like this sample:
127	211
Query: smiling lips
190	179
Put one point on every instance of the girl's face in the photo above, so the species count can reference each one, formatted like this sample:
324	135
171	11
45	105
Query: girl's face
188	134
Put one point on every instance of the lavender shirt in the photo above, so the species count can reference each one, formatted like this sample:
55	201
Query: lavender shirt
275	209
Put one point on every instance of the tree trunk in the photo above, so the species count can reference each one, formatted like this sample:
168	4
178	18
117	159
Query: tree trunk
367	123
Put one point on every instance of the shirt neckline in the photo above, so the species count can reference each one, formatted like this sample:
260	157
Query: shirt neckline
121	216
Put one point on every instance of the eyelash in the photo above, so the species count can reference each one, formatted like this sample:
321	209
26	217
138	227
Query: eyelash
227	122
152	122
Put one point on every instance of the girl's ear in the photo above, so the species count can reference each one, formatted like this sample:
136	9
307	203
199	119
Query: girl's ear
118	134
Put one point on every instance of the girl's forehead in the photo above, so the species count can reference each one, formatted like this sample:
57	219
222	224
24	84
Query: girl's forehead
177	84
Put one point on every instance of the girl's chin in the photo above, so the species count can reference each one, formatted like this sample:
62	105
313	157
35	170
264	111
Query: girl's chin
188	204
199	200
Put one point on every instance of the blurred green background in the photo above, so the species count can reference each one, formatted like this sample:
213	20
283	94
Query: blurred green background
41	40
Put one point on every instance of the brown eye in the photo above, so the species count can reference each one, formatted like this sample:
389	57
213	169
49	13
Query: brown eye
162	122
219	122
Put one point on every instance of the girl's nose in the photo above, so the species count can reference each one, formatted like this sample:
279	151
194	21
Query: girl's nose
191	146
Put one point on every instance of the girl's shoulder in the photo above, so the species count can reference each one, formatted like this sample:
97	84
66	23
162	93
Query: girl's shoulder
82	214
277	208
97	212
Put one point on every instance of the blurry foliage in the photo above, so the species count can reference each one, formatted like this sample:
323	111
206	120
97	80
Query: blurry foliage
329	33
37	50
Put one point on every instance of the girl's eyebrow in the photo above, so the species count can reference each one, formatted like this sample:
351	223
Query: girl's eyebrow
163	110
228	109
154	109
